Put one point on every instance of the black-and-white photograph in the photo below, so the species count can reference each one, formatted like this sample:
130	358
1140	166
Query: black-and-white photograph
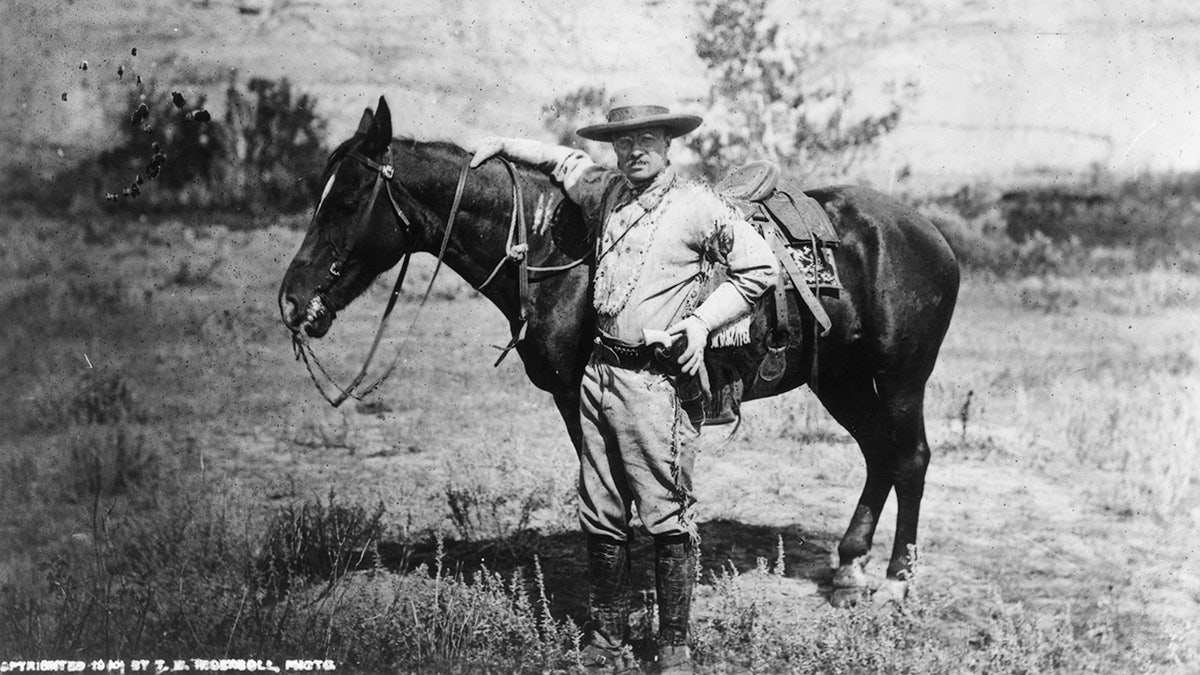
637	336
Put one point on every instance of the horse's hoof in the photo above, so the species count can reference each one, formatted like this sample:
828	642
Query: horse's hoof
851	574
848	597
890	592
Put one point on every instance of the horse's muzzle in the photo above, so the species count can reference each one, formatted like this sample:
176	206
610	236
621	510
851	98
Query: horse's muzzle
314	321
317	318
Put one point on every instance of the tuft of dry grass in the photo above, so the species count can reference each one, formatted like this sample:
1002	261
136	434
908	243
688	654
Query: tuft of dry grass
497	496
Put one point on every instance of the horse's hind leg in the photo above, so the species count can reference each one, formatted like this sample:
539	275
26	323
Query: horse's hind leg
885	417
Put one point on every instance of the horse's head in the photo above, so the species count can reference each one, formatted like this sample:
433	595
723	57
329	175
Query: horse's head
357	232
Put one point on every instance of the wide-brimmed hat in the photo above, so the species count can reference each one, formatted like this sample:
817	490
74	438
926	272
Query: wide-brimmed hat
632	111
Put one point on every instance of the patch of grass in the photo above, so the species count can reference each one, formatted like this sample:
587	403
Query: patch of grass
442	623
325	430
19	476
1137	294
1147	432
187	274
184	579
747	626
500	497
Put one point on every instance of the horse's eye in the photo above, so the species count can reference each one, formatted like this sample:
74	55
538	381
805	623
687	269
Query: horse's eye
335	269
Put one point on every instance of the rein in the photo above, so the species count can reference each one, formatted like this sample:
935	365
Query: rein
517	249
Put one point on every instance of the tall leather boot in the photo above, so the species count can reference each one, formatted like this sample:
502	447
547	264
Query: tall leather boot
675	575
608	606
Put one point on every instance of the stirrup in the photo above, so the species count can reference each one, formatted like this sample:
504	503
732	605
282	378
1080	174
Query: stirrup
775	362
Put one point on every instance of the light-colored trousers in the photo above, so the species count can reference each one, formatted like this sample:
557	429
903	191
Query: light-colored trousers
639	450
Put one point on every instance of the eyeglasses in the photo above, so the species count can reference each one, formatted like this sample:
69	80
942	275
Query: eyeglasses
642	141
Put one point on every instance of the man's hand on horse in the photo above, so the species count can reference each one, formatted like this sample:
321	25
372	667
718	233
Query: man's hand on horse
697	336
488	148
545	155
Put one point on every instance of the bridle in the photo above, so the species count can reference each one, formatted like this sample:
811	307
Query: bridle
384	173
516	251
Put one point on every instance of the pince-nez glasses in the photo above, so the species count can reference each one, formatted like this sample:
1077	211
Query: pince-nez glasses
643	141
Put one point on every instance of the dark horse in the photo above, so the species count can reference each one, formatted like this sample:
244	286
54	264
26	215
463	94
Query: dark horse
900	278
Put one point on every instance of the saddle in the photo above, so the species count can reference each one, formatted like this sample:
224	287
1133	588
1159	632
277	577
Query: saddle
803	239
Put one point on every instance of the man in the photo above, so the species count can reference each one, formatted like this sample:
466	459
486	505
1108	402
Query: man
658	237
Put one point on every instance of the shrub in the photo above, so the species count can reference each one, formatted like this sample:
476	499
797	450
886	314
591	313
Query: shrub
103	462
318	541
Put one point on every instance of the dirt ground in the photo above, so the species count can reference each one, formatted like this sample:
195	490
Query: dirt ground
1009	509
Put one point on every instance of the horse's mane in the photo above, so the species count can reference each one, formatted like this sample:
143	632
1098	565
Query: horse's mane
459	153
442	147
339	153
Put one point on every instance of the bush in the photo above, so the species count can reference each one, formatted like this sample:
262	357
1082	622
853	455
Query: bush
276	147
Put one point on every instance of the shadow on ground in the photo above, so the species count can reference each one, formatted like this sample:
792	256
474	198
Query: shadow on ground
562	556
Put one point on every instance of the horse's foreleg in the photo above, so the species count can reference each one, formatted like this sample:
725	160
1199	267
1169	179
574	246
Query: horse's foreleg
568	407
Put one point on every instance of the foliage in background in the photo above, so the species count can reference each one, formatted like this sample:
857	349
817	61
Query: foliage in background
565	114
769	97
1106	227
1158	216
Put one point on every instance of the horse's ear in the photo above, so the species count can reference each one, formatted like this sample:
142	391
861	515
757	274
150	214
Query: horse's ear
379	137
364	124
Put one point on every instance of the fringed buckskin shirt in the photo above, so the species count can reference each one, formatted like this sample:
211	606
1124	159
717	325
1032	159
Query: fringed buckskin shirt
657	245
